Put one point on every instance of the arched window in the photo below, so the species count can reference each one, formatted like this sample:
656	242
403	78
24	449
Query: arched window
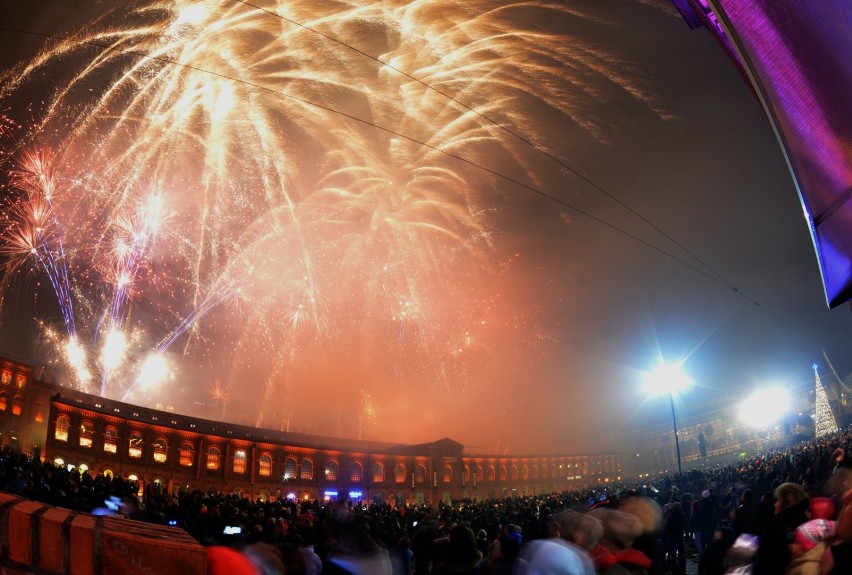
17	405
355	471
135	442
448	474
525	472
553	472
478	476
214	457
161	449
502	473
307	469
466	474
240	460
420	474
4	400
378	473
290	467
331	469
111	439
264	465
187	454
87	432
399	473
544	471
535	471
513	473
63	424
492	474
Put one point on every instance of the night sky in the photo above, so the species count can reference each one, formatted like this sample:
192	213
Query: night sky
492	241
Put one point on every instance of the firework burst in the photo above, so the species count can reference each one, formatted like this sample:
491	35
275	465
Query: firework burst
318	164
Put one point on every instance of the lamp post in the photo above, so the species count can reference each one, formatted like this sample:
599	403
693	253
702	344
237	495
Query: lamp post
674	425
669	379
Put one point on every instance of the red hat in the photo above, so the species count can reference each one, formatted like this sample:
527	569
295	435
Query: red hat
822	508
223	560
813	532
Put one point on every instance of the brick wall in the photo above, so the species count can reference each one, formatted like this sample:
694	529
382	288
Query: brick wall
39	539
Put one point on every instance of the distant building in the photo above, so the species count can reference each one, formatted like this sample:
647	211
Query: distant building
185	453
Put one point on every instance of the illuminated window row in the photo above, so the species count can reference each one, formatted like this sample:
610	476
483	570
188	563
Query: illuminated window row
17	403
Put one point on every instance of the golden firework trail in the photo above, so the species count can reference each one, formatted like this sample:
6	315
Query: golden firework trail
302	160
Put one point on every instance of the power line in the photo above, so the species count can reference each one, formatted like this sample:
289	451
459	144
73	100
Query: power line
711	274
506	129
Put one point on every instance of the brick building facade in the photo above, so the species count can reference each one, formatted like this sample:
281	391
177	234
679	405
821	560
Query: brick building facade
181	452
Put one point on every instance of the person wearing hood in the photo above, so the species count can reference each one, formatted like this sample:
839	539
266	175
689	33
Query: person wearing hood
808	547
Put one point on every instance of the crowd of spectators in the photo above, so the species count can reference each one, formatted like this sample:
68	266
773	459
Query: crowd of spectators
783	512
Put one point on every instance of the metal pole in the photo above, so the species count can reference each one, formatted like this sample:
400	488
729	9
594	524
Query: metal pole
677	442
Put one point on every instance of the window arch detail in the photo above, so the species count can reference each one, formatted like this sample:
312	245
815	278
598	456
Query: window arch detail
355	472
378	472
307	469
264	465
111	439
187	454
290	468
63	424
399	473
214	457
240	460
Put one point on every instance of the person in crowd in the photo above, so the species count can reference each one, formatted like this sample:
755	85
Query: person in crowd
482	542
312	561
615	554
402	556
674	529
705	520
840	553
649	541
714	561
265	558
791	507
223	560
460	555
808	547
555	556
581	529
354	551
504	557
746	517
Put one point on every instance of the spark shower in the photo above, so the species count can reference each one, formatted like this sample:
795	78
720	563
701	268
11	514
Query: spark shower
289	203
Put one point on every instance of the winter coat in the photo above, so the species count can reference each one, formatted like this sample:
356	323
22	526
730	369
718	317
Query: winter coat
808	563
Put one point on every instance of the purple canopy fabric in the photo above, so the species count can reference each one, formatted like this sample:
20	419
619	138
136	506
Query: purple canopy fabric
797	55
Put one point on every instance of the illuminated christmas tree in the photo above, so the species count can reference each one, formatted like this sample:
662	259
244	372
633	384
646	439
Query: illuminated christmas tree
825	422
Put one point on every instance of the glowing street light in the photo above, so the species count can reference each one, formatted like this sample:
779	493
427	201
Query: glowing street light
764	407
668	378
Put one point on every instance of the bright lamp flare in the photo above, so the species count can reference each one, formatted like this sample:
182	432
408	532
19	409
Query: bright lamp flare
764	407
667	378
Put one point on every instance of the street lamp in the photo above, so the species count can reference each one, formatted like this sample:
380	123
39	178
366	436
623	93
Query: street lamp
667	378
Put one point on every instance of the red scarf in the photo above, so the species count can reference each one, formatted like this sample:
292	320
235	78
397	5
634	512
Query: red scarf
604	558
